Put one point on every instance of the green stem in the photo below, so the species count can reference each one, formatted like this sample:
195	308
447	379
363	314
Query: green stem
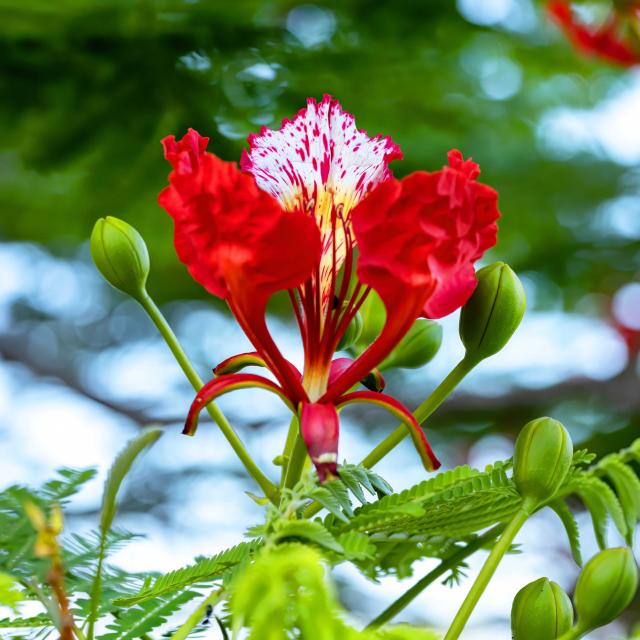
78	632
575	633
487	571
48	603
448	563
296	462
97	587
197	616
437	397
288	448
270	490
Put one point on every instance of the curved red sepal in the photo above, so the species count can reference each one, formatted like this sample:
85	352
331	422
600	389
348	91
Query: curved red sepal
420	441
320	428
219	386
249	359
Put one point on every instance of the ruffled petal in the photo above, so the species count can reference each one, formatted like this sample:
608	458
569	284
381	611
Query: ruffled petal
462	215
418	241
228	231
320	428
442	224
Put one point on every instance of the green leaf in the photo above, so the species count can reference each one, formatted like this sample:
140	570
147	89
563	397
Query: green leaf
405	632
627	486
356	546
33	622
351	480
341	495
138	620
601	502
329	501
117	473
291	530
10	594
571	527
582	457
454	503
205	570
119	470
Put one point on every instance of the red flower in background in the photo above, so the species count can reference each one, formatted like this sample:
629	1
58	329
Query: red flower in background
617	40
311	193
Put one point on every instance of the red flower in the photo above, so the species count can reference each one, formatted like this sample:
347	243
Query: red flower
617	40
311	193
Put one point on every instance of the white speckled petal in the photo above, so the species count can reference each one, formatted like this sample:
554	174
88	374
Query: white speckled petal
319	150
321	163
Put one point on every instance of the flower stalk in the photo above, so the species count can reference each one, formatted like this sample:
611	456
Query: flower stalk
170	338
487	571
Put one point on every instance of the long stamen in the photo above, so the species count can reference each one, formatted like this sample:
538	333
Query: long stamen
295	303
336	325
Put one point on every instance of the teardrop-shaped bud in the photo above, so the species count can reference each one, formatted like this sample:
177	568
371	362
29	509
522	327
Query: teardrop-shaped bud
352	334
418	347
493	313
121	255
373	318
605	587
541	611
541	459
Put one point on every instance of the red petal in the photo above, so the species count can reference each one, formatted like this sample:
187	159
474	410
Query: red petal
418	240
320	427
219	386
237	241
420	441
227	231
442	223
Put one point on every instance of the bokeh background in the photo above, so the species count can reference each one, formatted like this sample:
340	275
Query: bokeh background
87	90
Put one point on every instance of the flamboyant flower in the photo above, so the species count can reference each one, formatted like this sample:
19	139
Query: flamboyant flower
316	211
616	40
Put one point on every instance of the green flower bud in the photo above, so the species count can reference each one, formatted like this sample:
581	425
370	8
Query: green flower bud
120	254
373	318
541	611
352	334
605	587
541	459
418	347
493	312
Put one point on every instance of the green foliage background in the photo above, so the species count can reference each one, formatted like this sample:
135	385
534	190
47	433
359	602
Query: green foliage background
89	88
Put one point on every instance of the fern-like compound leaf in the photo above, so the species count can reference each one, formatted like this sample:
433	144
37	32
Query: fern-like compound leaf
146	616
205	570
570	526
